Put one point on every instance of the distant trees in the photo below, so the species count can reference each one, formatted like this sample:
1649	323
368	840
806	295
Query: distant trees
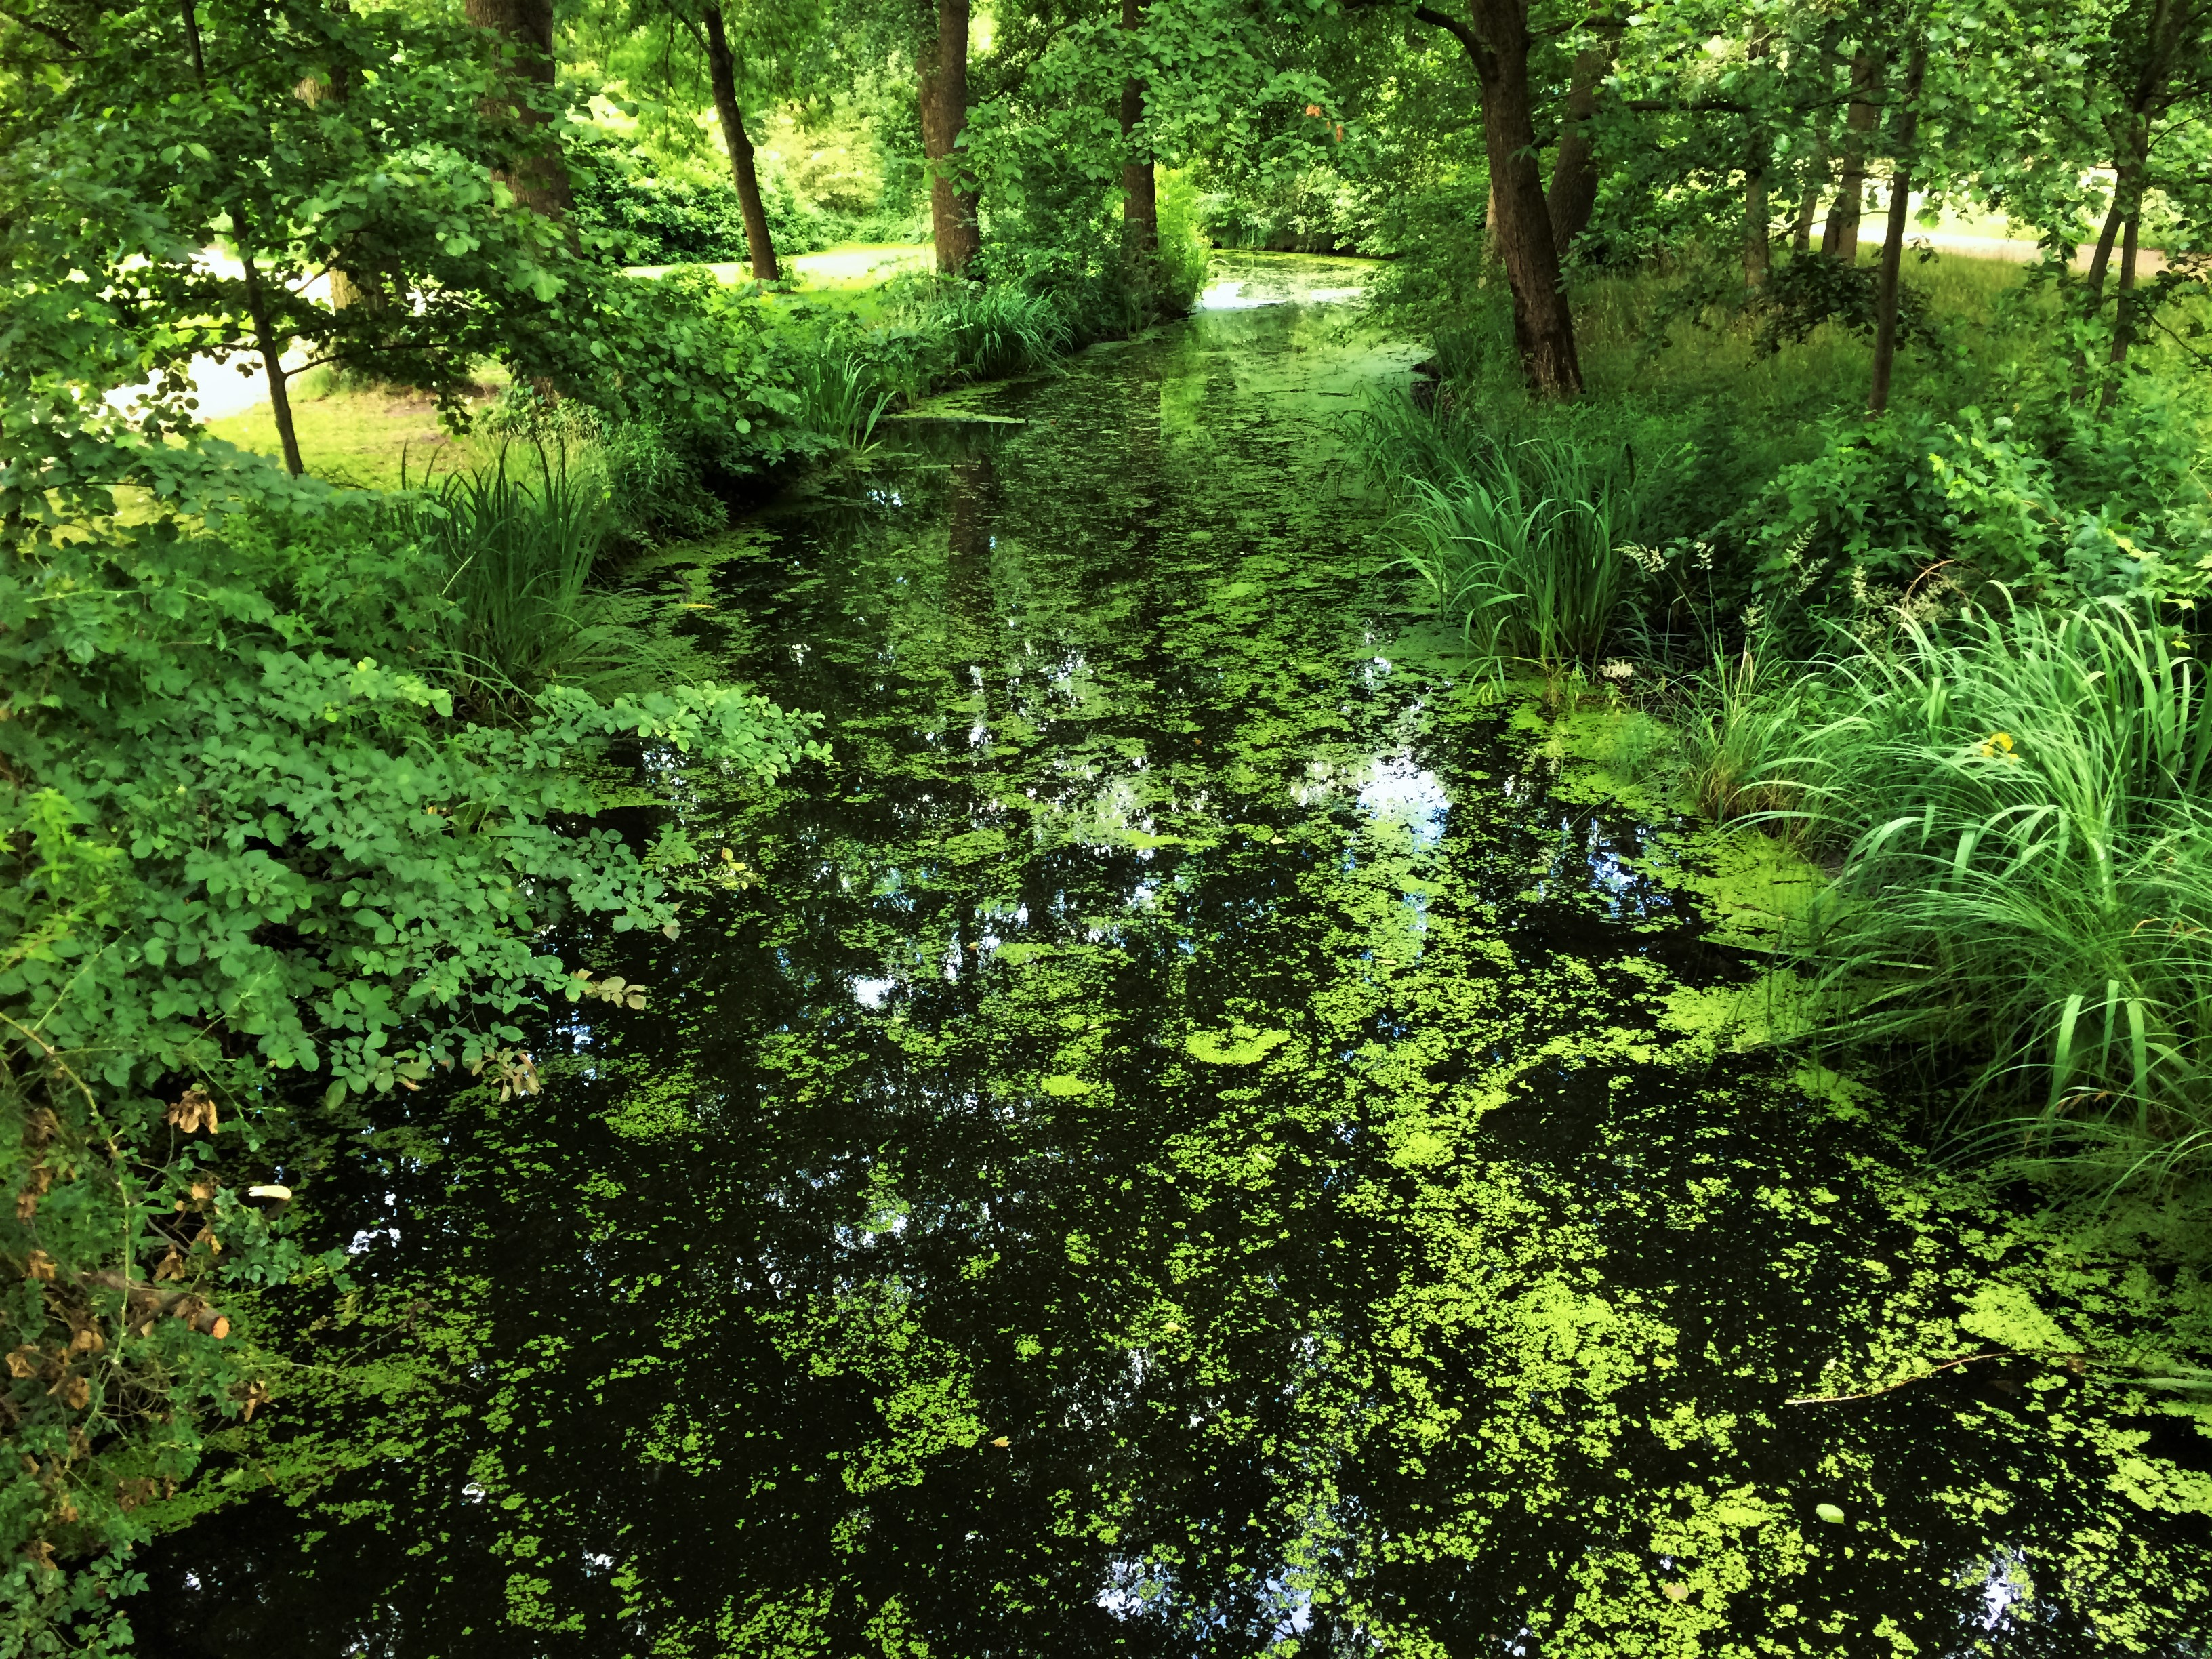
179	179
2083	122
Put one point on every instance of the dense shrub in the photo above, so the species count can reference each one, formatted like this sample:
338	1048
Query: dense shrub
691	358
2050	502
254	866
658	220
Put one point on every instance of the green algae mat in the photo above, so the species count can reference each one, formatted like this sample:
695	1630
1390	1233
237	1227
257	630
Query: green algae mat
1202	1133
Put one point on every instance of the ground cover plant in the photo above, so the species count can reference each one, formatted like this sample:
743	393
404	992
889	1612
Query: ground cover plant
257	862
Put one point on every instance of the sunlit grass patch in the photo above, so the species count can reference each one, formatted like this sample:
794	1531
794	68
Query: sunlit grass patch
356	437
1975	304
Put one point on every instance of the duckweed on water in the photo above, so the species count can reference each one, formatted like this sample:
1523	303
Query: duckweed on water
1205	1138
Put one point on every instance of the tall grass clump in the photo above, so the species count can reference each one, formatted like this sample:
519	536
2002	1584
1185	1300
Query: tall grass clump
1742	723
994	329
1524	542
2027	874
842	395
518	554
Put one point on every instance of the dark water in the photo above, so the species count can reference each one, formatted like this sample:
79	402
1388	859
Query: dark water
1198	1135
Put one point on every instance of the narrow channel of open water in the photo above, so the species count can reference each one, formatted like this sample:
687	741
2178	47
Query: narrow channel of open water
1193	1137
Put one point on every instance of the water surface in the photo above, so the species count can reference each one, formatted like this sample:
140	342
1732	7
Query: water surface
1199	1135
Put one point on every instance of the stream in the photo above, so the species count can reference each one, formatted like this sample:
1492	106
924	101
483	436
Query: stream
1204	1132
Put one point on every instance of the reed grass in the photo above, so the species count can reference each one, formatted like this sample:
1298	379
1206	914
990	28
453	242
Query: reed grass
842	395
1522	540
1743	722
519	555
2026	876
990	332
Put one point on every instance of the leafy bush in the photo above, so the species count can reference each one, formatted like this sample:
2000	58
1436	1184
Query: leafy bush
1801	297
653	494
2026	880
252	860
1805	292
650	220
687	357
1439	250
2053	506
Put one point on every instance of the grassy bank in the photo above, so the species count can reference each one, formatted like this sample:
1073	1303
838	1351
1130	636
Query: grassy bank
1951	654
360	436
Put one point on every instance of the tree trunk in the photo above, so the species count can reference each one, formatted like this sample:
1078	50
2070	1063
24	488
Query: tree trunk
722	75
2100	261
536	175
1758	243
2130	169
2124	324
1140	201
1841	239
1816	165
272	357
1574	170
1759	155
943	70
257	303
1893	241
1497	40
1808	200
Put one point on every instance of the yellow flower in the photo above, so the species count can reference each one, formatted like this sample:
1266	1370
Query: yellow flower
1999	745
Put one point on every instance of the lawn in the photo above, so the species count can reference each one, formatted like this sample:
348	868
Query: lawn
363	439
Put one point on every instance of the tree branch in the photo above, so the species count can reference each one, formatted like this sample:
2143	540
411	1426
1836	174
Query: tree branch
1463	33
1728	106
59	37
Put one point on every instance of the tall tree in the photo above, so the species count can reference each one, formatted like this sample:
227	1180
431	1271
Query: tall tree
1496	37
2158	58
1140	204
941	68
1840	240
535	171
1893	242
1759	158
1573	194
722	75
178	127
